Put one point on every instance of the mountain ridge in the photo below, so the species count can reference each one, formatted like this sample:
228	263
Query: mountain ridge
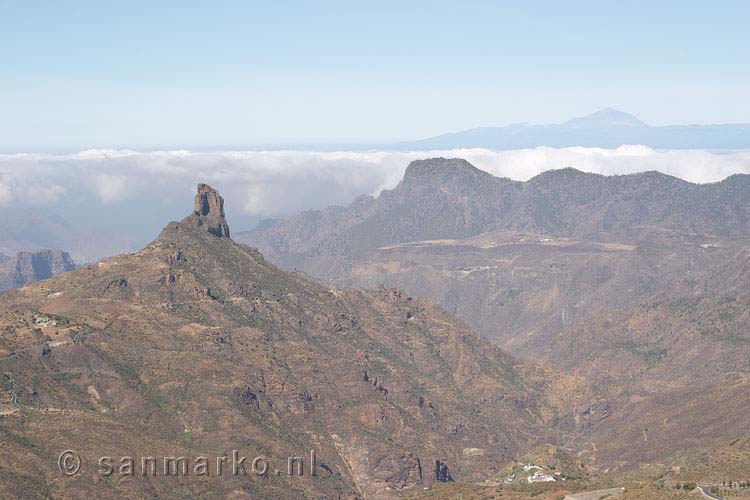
626	281
460	202
197	345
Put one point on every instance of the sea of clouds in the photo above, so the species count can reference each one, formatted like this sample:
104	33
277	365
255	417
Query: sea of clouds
101	186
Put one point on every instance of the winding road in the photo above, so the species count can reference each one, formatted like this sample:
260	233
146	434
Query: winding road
706	490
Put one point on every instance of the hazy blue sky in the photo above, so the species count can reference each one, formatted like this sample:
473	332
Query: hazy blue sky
155	74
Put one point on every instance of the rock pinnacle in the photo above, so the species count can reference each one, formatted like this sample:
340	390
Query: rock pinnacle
209	211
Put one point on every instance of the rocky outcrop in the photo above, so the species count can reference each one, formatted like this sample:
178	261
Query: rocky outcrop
33	266
442	474
209	212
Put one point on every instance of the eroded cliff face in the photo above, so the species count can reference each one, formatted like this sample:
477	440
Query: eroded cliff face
27	267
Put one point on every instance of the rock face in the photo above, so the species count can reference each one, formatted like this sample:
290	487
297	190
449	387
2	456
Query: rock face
33	266
442	474
209	212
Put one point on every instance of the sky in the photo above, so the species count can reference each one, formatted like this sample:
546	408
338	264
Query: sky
226	75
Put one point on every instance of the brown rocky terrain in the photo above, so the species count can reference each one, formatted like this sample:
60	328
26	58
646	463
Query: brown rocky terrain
676	372
33	266
637	284
521	262
522	290
196	346
451	199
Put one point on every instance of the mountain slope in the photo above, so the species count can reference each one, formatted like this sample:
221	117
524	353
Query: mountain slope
676	368
450	199
637	283
522	261
197	346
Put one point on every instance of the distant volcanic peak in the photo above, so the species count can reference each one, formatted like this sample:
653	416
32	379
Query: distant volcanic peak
209	212
607	117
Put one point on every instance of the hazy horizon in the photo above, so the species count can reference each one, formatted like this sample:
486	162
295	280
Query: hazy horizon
395	145
78	76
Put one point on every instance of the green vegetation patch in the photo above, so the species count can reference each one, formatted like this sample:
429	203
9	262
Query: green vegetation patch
649	356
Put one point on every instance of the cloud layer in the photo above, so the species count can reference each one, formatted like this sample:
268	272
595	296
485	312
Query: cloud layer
102	186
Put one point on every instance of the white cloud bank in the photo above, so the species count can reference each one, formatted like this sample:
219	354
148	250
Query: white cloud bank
159	185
